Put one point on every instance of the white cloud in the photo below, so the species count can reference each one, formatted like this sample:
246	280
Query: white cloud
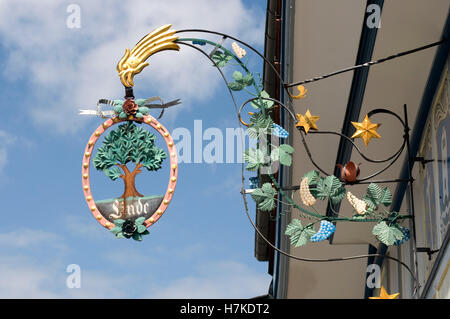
126	257
7	141
26	237
72	68
83	226
18	279
226	279
25	275
3	158
28	240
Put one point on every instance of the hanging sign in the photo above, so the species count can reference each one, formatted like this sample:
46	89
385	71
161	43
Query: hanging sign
128	148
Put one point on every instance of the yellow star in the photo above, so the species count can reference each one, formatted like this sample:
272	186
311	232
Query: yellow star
366	130
385	295
307	121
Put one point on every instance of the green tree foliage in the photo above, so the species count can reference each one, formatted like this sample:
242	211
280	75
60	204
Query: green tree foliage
128	143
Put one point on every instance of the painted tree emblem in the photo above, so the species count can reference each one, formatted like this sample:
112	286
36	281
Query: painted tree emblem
128	143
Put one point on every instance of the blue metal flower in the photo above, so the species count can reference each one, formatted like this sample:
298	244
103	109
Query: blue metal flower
279	131
326	230
254	182
406	236
199	42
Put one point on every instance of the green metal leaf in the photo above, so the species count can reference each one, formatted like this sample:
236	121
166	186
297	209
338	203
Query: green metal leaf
119	222
139	221
265	197
285	158
298	234
253	132
237	76
144	110
388	235
287	148
330	187
258	195
120	235
140	102
116	230
284	154
236	86
313	177
386	197
254	158
221	58
259	125
141	229
248	79
118	109
372	197
375	196
137	236
267	104
337	195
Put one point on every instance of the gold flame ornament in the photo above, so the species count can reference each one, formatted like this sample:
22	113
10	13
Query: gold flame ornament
302	93
385	295
133	62
307	121
366	130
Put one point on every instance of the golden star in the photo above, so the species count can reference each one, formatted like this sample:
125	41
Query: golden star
366	130
307	121
385	295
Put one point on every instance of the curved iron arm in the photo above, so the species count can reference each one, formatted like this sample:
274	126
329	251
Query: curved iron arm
367	64
416	284
243	43
393	157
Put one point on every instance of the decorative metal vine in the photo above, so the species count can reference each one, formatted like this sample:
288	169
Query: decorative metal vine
370	208
316	185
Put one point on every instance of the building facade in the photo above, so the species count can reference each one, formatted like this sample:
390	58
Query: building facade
307	38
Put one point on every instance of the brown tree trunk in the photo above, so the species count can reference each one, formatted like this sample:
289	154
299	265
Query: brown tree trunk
130	186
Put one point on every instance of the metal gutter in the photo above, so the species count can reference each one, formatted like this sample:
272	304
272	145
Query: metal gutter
434	78
281	272
356	95
263	252
267	223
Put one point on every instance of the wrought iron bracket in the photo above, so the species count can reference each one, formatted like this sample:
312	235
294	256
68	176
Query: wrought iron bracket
422	160
427	250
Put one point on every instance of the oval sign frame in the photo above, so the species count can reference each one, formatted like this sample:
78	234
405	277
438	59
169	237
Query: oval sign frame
147	119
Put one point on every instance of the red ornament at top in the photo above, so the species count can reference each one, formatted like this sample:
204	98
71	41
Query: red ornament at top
129	107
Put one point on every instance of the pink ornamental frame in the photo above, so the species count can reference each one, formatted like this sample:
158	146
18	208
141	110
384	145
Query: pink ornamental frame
147	119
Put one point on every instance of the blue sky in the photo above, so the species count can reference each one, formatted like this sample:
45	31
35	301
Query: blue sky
203	246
